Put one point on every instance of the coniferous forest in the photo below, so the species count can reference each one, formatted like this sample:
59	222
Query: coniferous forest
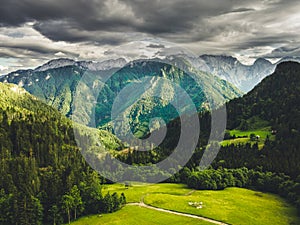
43	177
45	180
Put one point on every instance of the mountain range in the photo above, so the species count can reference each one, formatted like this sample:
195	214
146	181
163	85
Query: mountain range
228	68
244	77
56	83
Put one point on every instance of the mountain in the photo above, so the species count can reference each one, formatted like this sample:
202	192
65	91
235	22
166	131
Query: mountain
63	62
244	77
55	81
57	85
17	106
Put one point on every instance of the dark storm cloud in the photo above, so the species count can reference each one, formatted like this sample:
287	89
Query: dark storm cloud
286	51
66	31
15	12
156	46
238	10
31	47
65	20
231	24
171	16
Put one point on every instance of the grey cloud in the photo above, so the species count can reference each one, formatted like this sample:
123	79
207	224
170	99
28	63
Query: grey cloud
284	51
66	31
7	54
32	47
175	16
17	53
240	10
268	40
15	12
156	46
193	22
155	17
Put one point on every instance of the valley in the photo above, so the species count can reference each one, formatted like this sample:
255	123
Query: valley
232	206
143	112
255	171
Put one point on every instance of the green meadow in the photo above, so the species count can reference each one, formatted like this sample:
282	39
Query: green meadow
243	137
233	206
135	215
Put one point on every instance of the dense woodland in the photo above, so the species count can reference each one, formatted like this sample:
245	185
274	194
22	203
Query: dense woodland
43	177
45	180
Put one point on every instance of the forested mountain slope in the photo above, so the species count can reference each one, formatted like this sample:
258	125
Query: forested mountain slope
43	176
276	102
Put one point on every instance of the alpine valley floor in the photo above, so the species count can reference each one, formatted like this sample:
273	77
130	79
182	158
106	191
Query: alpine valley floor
175	203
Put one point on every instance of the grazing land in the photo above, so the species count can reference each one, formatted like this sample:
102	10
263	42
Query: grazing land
243	137
136	215
232	206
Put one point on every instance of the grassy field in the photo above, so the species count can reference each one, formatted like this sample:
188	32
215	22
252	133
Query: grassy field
262	132
137	191
135	215
256	126
232	205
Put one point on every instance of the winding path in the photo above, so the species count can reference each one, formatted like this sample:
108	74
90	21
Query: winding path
142	204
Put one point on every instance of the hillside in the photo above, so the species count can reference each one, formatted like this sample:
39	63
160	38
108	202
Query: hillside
275	99
41	164
272	111
275	103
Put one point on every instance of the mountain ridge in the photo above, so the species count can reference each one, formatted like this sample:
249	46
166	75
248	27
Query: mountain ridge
229	68
57	86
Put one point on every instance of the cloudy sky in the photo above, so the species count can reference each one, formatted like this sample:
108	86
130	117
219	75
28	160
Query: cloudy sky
33	32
